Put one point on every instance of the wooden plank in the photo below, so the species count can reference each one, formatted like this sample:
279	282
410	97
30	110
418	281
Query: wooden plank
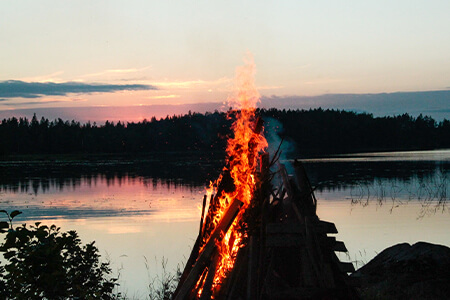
340	247
326	227
208	250
328	242
331	243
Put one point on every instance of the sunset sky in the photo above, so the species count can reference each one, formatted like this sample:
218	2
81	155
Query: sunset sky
157	57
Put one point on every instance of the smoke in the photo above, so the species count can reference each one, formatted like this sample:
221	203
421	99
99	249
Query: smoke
277	140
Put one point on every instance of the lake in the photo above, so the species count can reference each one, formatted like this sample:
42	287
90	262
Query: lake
143	210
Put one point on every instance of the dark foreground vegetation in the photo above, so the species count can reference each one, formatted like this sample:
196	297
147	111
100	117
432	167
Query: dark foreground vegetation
41	262
313	131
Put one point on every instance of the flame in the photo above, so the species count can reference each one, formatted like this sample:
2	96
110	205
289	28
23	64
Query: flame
242	159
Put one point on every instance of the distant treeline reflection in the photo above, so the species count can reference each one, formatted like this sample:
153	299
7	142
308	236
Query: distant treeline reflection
37	177
43	185
314	131
335	176
40	176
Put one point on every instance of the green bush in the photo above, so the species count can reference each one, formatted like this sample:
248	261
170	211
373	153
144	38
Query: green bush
42	262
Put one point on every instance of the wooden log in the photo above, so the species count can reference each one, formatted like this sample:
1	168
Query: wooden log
285	240
285	178
346	267
189	265
251	274
308	275
314	251
320	227
207	292
277	228
195	291
201	218
297	293
264	164
262	242
328	278
208	249
310	201
237	278
297	212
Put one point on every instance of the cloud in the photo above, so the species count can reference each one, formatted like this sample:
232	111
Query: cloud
44	101
21	89
163	97
434	103
192	83
53	77
116	71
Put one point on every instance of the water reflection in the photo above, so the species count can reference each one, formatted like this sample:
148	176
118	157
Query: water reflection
41	176
431	192
331	175
389	179
102	196
137	208
42	185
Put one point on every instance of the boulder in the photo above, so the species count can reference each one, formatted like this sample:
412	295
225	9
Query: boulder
420	271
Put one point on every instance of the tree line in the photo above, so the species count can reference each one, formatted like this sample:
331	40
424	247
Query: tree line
314	131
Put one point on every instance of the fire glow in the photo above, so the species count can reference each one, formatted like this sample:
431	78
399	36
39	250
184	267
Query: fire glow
242	161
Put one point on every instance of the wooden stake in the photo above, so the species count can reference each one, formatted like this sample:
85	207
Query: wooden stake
208	249
251	273
207	292
201	218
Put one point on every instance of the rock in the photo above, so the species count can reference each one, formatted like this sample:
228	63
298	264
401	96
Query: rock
420	271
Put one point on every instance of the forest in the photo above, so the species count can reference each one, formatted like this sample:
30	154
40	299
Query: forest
313	132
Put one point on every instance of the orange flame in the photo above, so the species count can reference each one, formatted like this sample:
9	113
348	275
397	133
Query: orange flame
242	159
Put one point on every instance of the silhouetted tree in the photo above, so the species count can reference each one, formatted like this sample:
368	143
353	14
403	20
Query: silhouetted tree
314	131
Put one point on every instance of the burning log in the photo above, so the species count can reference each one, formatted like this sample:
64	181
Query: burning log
208	250
207	285
200	233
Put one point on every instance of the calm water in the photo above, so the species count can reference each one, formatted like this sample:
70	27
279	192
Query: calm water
141	211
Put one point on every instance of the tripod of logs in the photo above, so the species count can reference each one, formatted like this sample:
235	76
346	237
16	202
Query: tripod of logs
288	253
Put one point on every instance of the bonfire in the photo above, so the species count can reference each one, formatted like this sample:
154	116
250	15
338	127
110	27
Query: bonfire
240	236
